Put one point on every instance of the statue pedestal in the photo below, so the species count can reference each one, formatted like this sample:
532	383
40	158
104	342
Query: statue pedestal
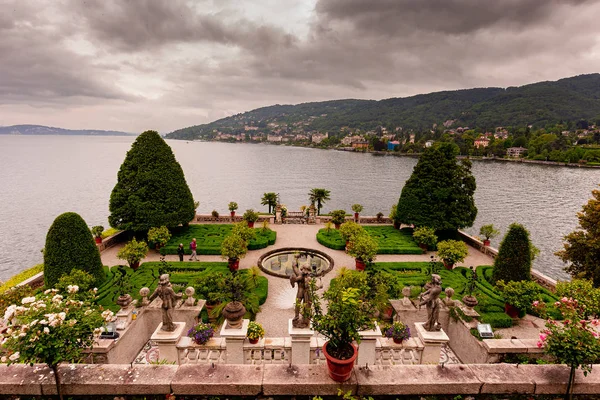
167	341
433	343
234	341
300	343
368	345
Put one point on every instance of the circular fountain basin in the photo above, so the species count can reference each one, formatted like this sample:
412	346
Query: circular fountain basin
279	262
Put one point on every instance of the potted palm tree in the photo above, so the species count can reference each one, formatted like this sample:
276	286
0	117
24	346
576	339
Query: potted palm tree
489	232
338	217
347	314
363	248
233	248
452	252
319	197
425	237
97	233
357	208
232	207
269	199
133	252
250	216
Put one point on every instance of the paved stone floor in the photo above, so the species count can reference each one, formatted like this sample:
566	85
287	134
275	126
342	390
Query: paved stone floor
279	306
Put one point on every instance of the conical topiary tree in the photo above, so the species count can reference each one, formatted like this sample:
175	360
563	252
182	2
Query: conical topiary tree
513	262
69	246
151	189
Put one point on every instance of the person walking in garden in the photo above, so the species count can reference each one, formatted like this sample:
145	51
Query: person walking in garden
180	251
193	246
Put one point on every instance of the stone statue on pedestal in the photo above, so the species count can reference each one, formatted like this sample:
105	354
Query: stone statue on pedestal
431	300
168	296
301	276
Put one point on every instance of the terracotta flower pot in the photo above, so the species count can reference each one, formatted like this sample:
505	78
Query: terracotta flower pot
98	240
232	214
234	264
339	370
423	247
448	265
209	308
250	224
355	217
135	265
360	264
486	242
511	310
253	341
396	225
398	341
337	226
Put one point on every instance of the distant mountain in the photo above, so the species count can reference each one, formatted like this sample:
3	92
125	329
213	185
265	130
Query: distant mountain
47	130
538	104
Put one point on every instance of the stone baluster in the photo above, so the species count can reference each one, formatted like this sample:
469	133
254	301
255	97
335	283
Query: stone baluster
367	354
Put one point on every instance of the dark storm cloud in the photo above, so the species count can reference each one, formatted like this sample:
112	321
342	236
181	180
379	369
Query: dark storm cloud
147	24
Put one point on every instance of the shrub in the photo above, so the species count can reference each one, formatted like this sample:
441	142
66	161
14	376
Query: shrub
584	292
133	252
233	246
244	231
520	294
250	216
357	208
97	231
513	262
20	277
364	248
109	232
452	251
349	230
70	245
425	235
159	235
215	214
77	277
331	238
497	320
338	217
208	286
13	296
151	189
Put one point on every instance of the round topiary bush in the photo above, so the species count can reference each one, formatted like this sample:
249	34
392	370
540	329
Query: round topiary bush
70	245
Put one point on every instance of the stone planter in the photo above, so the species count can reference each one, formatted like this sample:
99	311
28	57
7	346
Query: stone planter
470	301
124	300
234	314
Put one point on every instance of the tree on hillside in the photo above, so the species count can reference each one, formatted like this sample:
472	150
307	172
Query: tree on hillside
151	189
439	193
319	197
269	199
582	247
69	246
513	262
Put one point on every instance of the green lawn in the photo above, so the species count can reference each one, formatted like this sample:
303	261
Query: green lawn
210	236
181	274
389	240
491	302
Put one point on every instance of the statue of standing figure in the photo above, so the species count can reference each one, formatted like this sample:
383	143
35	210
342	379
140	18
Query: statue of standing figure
301	276
431	299
165	291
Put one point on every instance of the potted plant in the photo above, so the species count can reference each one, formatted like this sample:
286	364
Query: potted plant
394	216
338	217
349	230
233	248
238	291
201	333
159	236
425	237
232	207
518	296
97	233
379	216
347	314
363	249
357	208
398	331
469	300
489	232
250	216
123	288
133	252
255	332
452	252
209	287
214	214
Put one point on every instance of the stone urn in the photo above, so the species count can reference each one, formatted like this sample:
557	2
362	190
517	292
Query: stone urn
470	301
124	300
234	313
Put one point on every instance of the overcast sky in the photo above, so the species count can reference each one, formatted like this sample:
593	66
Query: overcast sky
134	65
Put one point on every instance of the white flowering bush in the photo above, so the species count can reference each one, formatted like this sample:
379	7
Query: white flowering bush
52	327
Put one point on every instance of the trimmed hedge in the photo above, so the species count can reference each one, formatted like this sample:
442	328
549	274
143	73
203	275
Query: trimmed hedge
497	320
70	245
209	238
180	273
389	240
21	276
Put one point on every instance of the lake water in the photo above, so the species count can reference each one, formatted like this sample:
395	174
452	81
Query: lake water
44	176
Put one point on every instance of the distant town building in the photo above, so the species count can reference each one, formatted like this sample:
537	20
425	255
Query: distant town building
428	143
348	140
360	145
318	137
301	137
250	128
482	142
412	138
273	138
515	152
392	145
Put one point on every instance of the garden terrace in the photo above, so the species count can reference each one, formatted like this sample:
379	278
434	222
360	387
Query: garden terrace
491	302
210	236
181	276
389	240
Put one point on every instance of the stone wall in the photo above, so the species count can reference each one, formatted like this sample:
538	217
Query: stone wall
292	380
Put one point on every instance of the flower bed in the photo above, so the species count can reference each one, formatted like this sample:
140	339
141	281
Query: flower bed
389	240
181	274
210	236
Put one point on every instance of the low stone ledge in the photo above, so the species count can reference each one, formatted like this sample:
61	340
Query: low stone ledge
112	379
549	379
21	379
303	380
502	379
218	380
417	380
494	346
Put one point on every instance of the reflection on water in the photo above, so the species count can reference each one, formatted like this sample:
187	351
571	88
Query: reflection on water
42	177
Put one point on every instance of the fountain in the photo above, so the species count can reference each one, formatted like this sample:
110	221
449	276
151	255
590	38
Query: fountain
279	262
